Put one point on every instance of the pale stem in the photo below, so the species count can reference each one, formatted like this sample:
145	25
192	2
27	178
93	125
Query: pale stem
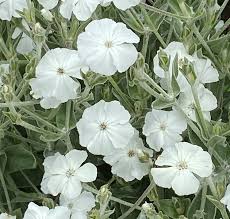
139	201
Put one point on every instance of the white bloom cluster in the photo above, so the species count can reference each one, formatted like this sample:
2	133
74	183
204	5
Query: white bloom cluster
83	9
204	73
106	128
106	47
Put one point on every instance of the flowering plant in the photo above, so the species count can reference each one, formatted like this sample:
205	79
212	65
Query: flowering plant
114	109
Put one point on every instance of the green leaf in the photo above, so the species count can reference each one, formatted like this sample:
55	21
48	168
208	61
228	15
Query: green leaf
167	206
19	158
219	205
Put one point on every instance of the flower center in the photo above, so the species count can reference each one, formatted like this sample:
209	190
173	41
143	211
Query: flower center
70	173
182	165
163	126
60	71
103	126
131	153
108	44
70	205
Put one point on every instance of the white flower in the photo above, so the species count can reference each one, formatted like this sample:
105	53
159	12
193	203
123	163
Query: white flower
9	8
226	199
208	102
41	212
173	49
6	216
54	82
25	44
64	174
179	164
126	161
104	127
204	70
121	4
82	9
106	46
80	206
163	128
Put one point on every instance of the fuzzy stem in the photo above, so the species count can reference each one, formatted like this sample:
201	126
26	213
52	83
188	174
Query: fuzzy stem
138	202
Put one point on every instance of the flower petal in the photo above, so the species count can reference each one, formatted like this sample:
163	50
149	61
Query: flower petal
185	183
87	173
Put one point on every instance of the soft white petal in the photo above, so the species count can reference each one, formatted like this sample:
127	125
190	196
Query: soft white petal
163	177
36	212
59	212
185	183
72	188
123	5
201	164
48	4
87	173
75	158
124	56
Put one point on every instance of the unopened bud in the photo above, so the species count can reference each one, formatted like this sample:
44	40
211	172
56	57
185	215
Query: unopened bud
48	202
47	14
164	60
103	195
148	209
143	156
5	88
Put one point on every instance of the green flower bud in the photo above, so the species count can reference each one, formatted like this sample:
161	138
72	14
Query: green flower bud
164	61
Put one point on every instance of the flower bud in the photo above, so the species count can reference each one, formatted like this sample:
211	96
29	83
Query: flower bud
48	202
164	60
103	195
143	156
47	14
186	68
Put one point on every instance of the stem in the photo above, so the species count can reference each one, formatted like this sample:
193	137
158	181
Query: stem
199	110
122	95
203	196
30	182
138	202
170	32
166	13
5	191
205	45
32	142
68	109
19	104
37	117
95	191
147	88
156	86
153	28
68	143
222	8
212	187
145	44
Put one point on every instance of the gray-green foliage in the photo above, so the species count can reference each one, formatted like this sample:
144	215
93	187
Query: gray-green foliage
28	133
